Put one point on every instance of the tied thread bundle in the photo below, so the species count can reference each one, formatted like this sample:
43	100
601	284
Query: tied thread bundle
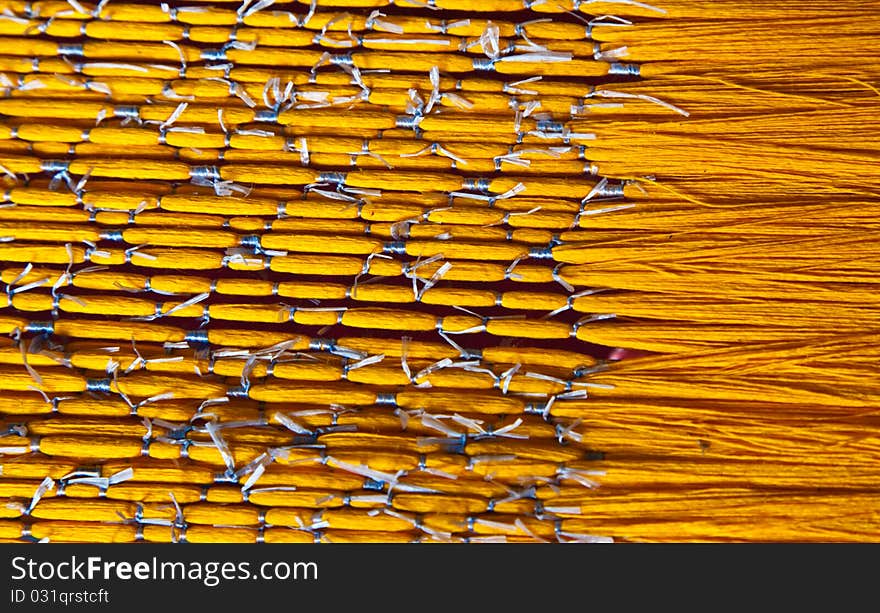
352	271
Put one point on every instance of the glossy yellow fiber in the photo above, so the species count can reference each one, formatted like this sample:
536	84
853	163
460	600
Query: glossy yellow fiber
349	271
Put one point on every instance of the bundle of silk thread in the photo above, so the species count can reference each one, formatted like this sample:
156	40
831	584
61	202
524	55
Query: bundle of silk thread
444	271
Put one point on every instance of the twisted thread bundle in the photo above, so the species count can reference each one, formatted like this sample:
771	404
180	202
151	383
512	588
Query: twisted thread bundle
358	271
